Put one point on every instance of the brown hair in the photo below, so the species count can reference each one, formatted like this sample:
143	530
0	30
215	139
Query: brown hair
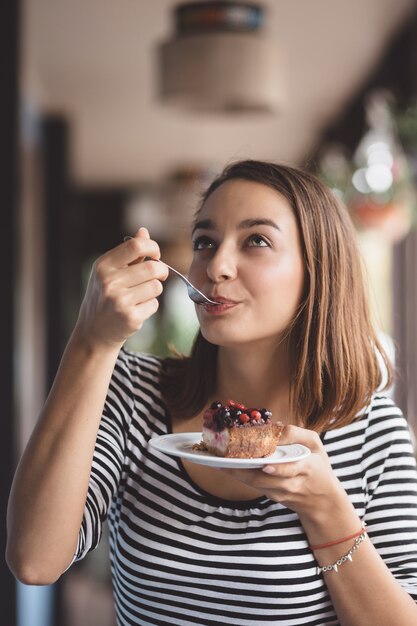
335	367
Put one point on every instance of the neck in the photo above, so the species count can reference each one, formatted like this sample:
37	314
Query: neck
257	377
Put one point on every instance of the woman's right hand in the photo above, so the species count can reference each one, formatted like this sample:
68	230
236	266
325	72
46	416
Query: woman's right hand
122	292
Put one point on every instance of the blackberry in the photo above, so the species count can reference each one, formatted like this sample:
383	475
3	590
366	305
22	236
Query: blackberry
218	422
266	414
224	411
216	405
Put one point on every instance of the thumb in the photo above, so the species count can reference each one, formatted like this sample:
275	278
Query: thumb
295	434
142	232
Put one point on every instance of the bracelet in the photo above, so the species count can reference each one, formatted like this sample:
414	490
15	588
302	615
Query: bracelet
335	543
343	559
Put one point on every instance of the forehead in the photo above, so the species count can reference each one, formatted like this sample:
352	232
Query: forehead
239	199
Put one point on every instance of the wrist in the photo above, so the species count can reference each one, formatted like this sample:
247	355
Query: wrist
340	560
334	519
92	347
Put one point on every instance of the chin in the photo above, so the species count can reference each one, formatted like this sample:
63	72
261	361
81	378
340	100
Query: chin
234	337
223	339
228	339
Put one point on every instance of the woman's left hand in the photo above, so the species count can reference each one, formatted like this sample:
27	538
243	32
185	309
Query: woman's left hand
309	486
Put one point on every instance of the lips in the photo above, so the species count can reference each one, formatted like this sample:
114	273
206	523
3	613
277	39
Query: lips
222	305
222	300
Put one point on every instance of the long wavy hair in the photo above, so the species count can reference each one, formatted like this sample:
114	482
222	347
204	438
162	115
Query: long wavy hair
335	367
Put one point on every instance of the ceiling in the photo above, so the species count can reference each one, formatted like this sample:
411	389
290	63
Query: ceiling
96	62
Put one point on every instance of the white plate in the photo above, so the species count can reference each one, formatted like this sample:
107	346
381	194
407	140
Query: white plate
181	445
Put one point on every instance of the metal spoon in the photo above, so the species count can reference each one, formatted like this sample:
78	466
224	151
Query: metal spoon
194	294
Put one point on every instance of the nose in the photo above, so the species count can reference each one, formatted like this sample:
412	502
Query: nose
222	265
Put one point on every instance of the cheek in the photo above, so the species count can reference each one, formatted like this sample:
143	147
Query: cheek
286	280
288	276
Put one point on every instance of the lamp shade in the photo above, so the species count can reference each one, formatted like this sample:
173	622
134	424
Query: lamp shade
222	71
220	60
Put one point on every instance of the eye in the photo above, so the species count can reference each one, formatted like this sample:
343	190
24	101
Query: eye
257	241
203	243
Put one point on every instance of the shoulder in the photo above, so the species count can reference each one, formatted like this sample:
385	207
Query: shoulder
387	428
132	370
134	375
136	364
378	441
383	415
387	439
143	372
380	424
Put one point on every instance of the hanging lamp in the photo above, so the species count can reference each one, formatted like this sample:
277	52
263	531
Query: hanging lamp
221	60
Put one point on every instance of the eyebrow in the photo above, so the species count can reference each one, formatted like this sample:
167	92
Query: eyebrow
249	223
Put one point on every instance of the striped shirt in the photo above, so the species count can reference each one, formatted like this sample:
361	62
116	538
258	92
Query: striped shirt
184	557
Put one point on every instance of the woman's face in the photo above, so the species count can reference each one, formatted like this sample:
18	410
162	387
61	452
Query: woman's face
247	257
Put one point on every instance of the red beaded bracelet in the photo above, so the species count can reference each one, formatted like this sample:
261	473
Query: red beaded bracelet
335	543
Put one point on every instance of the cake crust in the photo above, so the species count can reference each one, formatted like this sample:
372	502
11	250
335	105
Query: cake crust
250	442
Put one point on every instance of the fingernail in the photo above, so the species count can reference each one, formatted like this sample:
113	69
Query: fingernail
269	469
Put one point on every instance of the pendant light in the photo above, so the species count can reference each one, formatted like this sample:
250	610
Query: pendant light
221	60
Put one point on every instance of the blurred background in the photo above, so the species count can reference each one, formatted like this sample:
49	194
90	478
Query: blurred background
118	114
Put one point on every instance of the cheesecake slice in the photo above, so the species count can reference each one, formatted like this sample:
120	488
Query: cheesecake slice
235	431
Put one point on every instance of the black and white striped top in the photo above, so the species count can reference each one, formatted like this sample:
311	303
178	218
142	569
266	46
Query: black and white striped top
183	557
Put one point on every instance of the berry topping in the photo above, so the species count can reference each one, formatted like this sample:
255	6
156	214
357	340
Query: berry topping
233	414
236	404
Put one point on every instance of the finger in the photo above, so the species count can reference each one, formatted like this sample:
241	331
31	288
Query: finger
134	320
257	478
304	436
141	233
285	470
247	476
144	292
145	310
137	274
135	249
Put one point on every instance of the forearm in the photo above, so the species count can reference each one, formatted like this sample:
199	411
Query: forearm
363	591
49	491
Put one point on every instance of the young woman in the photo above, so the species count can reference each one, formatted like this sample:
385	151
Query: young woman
286	544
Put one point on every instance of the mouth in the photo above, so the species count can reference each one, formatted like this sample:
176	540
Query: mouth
220	300
222	305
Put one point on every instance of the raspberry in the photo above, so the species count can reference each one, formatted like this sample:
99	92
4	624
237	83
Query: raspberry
244	417
255	415
237	405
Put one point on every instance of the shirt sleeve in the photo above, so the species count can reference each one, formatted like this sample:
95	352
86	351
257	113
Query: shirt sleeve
109	456
391	479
